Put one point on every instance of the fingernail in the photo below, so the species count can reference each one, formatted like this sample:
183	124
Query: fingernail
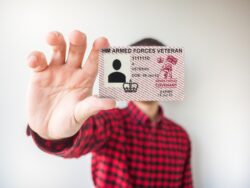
54	34
32	58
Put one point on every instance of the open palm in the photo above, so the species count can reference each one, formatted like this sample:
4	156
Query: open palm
60	93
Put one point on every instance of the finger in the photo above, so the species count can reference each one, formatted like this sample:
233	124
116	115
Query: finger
91	65
77	48
37	61
58	44
90	106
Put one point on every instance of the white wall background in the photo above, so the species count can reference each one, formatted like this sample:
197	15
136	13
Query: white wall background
215	112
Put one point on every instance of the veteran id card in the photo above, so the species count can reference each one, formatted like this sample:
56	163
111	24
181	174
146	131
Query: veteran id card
142	73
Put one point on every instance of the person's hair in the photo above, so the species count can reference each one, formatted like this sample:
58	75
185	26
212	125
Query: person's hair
147	42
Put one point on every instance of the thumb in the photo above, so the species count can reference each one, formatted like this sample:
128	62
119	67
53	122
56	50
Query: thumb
90	106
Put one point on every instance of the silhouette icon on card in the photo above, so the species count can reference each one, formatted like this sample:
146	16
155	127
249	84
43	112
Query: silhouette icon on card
116	77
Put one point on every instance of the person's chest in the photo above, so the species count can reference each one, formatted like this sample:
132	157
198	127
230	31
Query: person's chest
143	156
154	156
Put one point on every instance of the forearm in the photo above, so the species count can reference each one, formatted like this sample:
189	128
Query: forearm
59	147
91	137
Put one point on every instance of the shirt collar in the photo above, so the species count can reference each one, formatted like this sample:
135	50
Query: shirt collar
141	118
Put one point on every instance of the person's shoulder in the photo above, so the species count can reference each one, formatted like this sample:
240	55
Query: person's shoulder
176	130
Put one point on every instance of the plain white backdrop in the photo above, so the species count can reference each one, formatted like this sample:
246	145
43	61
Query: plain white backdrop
215	111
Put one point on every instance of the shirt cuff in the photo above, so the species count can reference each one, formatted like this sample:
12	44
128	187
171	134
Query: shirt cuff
51	146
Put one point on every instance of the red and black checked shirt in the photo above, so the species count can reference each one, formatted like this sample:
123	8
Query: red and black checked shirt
128	150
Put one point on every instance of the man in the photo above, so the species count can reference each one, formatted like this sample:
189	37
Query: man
132	147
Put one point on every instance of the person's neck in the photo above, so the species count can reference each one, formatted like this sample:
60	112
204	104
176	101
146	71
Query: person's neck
150	108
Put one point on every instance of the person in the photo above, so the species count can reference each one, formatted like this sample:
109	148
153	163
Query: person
136	146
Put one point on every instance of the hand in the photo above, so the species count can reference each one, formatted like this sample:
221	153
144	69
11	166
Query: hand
60	93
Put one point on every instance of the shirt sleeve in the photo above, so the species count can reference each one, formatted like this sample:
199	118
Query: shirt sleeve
188	180
92	136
